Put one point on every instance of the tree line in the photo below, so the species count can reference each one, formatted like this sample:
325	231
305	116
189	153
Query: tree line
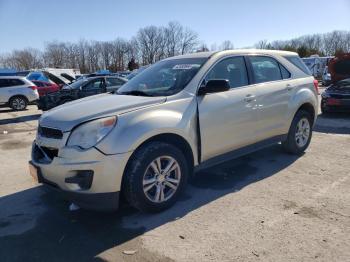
328	44
151	44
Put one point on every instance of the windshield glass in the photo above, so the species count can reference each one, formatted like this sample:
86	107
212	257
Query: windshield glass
164	78
76	84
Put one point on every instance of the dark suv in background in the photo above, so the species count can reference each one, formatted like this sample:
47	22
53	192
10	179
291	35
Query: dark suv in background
81	88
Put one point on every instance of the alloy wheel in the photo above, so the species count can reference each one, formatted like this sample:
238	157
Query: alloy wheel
161	179
302	133
18	103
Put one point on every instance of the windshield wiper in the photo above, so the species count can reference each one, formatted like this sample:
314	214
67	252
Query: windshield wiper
134	93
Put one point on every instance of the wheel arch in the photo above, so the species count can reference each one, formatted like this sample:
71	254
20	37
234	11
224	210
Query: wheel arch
169	138
308	107
18	95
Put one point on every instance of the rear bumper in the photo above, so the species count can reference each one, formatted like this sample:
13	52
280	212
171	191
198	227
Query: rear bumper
342	107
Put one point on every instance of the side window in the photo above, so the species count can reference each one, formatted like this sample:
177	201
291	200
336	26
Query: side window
285	73
265	69
93	84
113	82
13	82
3	83
232	69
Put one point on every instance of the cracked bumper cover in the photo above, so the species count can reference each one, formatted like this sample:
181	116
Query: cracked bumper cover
102	193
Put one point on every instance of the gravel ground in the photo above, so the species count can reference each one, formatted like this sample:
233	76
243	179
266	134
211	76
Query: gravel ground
267	206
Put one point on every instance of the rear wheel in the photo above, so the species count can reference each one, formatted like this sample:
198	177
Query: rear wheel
300	133
18	103
155	177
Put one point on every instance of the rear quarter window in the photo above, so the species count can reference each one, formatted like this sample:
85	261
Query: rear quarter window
295	60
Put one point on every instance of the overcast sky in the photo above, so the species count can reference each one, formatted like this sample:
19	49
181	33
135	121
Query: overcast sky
30	23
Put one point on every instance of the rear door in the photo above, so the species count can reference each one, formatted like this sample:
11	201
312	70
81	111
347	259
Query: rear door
227	119
273	91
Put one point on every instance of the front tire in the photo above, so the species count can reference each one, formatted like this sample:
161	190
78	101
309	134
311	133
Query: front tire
18	103
300	133
155	177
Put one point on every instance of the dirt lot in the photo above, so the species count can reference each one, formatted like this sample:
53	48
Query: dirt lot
267	206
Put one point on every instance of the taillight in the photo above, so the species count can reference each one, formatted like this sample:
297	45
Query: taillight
316	86
33	87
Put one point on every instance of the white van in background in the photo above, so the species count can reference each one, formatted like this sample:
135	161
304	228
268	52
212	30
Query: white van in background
317	64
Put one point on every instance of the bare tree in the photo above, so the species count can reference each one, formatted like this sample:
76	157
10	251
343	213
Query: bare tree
23	59
226	45
262	44
151	41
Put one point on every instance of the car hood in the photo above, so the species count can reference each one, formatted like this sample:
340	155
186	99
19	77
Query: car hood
339	67
67	116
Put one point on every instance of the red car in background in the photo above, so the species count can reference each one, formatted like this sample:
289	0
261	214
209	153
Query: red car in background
45	87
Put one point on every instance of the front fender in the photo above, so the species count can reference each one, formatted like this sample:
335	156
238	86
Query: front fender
133	128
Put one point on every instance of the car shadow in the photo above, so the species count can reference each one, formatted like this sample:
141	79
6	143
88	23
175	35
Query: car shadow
334	123
20	119
36	225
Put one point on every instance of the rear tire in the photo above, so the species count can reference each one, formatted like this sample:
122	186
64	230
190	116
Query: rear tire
300	133
18	103
150	188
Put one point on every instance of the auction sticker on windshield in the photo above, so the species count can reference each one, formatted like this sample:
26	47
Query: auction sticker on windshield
185	66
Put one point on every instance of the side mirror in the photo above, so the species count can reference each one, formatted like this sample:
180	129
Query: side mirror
214	86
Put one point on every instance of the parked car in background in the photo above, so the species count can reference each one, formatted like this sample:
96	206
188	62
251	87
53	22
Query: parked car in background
183	113
316	64
17	92
45	88
336	98
81	88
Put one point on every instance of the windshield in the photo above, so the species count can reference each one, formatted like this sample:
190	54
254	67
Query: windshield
76	84
164	78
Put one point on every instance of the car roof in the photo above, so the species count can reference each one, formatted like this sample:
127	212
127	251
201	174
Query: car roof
235	52
13	77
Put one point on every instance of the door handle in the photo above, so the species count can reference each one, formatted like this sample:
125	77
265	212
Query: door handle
249	98
289	87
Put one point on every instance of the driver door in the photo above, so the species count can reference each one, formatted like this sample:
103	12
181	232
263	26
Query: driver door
227	119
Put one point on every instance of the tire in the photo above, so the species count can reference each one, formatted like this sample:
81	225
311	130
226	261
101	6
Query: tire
294	145
137	185
18	103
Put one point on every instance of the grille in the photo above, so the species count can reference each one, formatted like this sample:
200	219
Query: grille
50	132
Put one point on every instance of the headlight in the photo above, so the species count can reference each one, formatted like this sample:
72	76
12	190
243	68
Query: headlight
90	133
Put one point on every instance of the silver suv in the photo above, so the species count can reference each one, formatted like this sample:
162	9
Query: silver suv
17	92
179	115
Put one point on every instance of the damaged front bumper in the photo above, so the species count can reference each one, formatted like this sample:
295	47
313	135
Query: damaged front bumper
88	178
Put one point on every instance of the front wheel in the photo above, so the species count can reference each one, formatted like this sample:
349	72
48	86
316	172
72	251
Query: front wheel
300	133
155	177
